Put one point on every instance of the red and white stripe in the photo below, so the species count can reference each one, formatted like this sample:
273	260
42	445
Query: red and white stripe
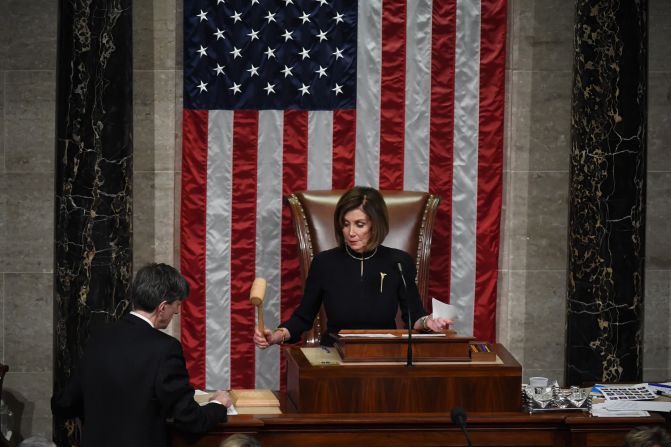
442	132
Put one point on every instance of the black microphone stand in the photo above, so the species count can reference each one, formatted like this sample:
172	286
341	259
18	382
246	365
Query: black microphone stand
405	287
459	418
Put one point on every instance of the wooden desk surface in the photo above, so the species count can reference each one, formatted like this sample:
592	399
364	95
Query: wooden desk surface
423	430
497	420
423	388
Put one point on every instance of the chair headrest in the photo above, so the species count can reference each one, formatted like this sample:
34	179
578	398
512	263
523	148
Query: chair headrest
406	212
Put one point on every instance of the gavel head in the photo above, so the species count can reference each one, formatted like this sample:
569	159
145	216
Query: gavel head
257	292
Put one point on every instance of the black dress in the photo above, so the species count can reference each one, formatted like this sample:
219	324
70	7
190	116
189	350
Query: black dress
355	301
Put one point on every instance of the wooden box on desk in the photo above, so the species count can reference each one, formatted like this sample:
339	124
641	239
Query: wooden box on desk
392	346
481	352
396	388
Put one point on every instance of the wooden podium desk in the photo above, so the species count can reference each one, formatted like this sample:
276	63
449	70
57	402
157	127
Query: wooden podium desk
422	430
396	388
393	405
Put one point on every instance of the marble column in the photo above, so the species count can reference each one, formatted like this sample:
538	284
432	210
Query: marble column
93	191
607	193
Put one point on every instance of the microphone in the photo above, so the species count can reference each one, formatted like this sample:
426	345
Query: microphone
405	287
459	418
256	295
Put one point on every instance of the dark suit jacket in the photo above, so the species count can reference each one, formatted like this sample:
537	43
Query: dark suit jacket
131	379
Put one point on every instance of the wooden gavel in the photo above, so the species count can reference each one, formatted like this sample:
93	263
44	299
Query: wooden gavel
256	295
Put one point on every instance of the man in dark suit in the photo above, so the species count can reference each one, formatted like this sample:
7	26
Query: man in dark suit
133	377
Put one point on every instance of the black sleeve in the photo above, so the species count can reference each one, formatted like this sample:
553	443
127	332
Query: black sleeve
411	297
175	394
304	315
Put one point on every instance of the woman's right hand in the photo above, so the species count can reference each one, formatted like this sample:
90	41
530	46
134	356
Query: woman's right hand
262	340
268	338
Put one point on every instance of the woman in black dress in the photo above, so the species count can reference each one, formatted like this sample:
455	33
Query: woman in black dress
358	282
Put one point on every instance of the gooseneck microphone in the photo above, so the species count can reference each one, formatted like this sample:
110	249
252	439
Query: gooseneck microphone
459	418
405	287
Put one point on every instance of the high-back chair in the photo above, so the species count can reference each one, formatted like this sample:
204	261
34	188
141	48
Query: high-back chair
411	218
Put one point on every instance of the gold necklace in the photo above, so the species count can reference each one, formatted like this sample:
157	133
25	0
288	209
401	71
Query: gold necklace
361	258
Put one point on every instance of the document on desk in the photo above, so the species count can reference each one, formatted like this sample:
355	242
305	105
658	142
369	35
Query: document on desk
661	389
627	392
600	410
367	335
637	405
430	335
202	397
388	335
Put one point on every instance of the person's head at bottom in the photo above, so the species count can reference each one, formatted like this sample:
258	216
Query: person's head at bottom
157	292
240	440
647	437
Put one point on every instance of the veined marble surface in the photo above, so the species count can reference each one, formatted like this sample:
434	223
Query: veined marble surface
607	193
93	252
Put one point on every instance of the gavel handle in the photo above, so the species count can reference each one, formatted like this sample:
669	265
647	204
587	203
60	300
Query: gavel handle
259	313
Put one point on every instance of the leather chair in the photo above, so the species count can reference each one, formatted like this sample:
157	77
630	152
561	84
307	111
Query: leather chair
411	218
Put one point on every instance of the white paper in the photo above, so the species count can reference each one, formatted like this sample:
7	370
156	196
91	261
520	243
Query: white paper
442	310
388	335
661	389
230	410
637	405
600	410
430	335
377	335
627	392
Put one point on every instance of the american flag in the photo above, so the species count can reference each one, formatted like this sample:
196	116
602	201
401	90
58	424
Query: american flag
286	95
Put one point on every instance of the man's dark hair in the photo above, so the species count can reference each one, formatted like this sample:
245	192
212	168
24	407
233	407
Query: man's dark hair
155	283
647	437
372	203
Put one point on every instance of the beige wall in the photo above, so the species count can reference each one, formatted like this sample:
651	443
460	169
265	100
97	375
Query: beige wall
533	260
27	101
532	280
656	360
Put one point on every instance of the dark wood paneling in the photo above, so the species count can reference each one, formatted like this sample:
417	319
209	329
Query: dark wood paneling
396	388
423	430
416	404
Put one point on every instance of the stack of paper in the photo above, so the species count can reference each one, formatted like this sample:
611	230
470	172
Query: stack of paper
621	409
255	401
627	392
631	400
661	389
203	398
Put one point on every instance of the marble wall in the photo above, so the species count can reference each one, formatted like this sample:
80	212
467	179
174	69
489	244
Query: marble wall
532	285
157	99
656	337
533	260
27	147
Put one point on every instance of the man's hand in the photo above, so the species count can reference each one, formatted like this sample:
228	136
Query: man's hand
222	397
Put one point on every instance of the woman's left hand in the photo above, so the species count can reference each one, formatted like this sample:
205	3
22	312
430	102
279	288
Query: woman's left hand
437	324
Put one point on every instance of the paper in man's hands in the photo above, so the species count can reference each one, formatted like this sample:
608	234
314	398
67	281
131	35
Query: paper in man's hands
442	310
